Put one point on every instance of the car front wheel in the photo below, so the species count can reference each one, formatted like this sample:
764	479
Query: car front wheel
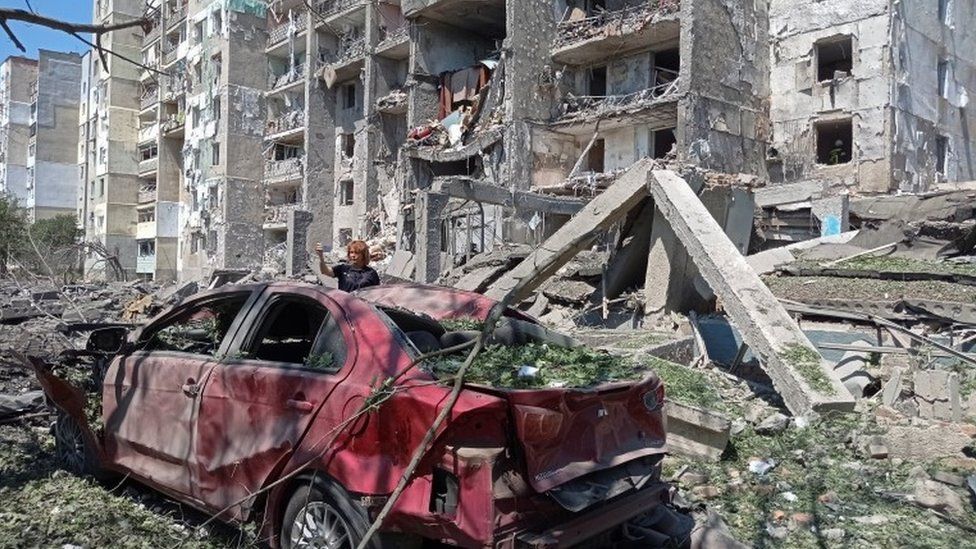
72	449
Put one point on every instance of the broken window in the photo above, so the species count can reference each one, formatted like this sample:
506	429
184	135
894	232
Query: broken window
594	158
349	96
218	21
198	32
216	109
147	248
148	152
663	141
285	152
199	330
217	67
348	141
299	331
834	56
941	154
146	216
197	242
597	84
945	11
215	156
346	188
345	236
834	142
943	72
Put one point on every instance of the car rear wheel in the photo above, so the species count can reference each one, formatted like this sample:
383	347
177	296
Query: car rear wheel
72	449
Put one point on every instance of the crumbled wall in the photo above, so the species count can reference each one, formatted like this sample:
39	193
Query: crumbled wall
723	117
920	114
798	100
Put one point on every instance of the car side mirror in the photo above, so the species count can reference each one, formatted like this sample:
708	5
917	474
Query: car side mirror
108	340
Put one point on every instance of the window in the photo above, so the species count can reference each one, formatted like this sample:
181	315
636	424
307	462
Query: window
943	75
834	56
349	96
199	329
197	242
101	186
212	201
346	188
198	32
301	332
663	141
834	142
217	22
146	216
594	158
147	248
348	142
216	109
597	84
345	236
215	157
285	152
945	11
941	154
217	67
148	153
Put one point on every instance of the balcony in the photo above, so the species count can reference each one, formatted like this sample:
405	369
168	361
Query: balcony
174	15
148	133
147	195
328	8
346	60
394	102
287	122
174	123
638	107
174	86
618	32
296	25
281	171
154	32
278	82
395	43
146	264
169	55
146	230
277	214
149	99
148	166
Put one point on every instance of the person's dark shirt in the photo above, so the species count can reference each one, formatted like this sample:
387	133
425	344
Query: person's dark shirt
351	279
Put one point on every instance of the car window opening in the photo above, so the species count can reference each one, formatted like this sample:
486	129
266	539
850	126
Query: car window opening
200	330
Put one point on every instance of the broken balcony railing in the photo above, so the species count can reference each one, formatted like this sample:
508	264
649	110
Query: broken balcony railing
349	50
632	19
278	213
175	14
147	195
392	37
174	122
149	98
331	7
392	102
154	31
295	23
288	121
283	170
169	54
576	106
293	74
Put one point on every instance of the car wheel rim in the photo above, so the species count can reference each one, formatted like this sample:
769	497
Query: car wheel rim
320	526
72	450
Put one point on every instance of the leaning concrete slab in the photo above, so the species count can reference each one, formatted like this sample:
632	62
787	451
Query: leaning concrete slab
801	376
604	210
467	188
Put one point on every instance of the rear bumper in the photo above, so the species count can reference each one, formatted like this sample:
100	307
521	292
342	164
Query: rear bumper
598	520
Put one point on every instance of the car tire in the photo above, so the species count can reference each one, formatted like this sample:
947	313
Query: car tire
321	514
72	449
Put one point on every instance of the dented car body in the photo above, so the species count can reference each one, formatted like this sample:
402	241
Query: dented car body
218	399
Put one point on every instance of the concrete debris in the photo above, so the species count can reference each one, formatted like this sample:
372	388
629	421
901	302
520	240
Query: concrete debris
773	424
696	432
934	495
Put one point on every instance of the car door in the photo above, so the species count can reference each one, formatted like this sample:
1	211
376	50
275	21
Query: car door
150	396
259	401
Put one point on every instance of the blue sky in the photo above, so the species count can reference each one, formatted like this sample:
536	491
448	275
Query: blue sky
34	37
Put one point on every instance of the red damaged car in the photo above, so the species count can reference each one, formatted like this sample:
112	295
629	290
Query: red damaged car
237	388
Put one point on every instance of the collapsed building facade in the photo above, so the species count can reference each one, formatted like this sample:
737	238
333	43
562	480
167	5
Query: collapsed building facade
443	128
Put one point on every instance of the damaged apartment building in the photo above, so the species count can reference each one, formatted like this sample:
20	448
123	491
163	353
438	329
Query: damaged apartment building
443	128
38	132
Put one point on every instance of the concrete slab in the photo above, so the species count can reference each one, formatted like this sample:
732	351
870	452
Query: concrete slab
800	375
577	233
695	432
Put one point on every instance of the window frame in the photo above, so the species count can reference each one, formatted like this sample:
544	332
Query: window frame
256	330
144	336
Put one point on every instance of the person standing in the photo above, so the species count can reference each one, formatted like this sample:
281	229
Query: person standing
354	275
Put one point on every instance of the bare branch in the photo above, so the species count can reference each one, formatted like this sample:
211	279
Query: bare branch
9	14
13	37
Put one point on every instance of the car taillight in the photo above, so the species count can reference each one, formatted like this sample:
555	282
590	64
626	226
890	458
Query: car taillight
654	398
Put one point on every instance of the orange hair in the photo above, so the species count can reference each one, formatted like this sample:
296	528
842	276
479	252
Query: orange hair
359	246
